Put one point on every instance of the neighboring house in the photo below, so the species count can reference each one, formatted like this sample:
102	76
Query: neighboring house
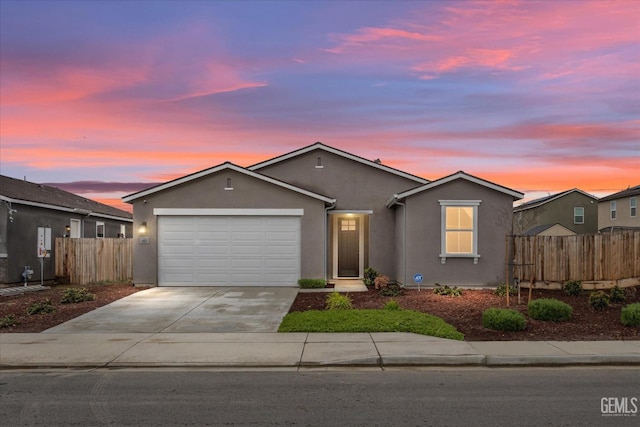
619	211
319	212
572	209
550	230
33	215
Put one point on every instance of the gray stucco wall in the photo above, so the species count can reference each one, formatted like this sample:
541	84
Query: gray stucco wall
356	186
21	237
209	192
424	231
559	211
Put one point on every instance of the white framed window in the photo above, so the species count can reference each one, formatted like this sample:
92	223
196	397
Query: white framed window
75	228
100	229
459	229
612	208
633	210
578	215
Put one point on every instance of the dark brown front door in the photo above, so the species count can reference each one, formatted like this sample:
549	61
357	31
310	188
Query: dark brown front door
348	247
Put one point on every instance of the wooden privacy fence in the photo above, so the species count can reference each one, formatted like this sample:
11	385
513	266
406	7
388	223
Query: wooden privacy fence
585	257
87	261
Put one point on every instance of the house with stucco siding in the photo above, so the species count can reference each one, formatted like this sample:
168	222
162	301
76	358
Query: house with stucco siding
319	212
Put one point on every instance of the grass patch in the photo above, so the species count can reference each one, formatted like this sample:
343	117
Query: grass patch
369	321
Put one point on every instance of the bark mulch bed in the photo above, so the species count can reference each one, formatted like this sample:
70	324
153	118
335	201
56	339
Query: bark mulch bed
465	313
16	306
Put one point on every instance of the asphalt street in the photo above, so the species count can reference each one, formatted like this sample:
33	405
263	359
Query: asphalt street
580	396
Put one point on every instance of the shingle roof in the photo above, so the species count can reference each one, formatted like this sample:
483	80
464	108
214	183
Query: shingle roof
632	191
20	190
542	200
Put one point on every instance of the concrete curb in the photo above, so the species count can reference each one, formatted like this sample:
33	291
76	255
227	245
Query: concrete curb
297	351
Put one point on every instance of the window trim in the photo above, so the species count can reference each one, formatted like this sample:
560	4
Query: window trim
575	215
613	207
444	204
104	230
633	207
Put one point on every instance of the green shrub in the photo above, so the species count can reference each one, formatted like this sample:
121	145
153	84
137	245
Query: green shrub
41	307
503	319
392	305
617	294
391	290
572	287
368	321
599	300
7	321
312	283
549	309
446	290
76	295
369	276
501	290
335	301
630	315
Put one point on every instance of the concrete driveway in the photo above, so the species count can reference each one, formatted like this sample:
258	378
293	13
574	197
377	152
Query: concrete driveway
188	309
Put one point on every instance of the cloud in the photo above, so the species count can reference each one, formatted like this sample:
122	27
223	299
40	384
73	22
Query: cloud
548	39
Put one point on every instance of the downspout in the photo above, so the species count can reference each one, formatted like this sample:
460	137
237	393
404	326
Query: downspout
326	239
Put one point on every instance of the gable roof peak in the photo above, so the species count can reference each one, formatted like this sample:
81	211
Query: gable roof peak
550	197
324	147
223	166
454	176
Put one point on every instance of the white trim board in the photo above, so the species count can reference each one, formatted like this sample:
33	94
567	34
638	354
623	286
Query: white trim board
227	212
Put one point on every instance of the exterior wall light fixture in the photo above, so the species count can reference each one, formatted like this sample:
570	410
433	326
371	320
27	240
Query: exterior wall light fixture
143	227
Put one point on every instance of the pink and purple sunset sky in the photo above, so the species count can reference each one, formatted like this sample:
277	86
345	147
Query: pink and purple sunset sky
105	98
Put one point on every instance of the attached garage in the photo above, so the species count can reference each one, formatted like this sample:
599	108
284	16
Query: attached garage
228	247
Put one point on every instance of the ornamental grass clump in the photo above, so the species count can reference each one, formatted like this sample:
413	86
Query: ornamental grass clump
630	315
335	301
503	319
392	305
549	309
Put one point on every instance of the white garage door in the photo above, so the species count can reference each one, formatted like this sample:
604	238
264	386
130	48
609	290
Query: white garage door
228	250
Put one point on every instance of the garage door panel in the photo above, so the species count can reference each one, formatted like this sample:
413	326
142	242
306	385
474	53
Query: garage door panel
203	264
228	251
202	250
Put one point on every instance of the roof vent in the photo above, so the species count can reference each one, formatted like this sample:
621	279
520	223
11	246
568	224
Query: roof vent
377	161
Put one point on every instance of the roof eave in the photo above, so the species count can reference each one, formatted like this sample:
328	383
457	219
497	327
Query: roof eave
227	165
65	209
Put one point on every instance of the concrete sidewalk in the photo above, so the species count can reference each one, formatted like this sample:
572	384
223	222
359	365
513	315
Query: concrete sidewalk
295	350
